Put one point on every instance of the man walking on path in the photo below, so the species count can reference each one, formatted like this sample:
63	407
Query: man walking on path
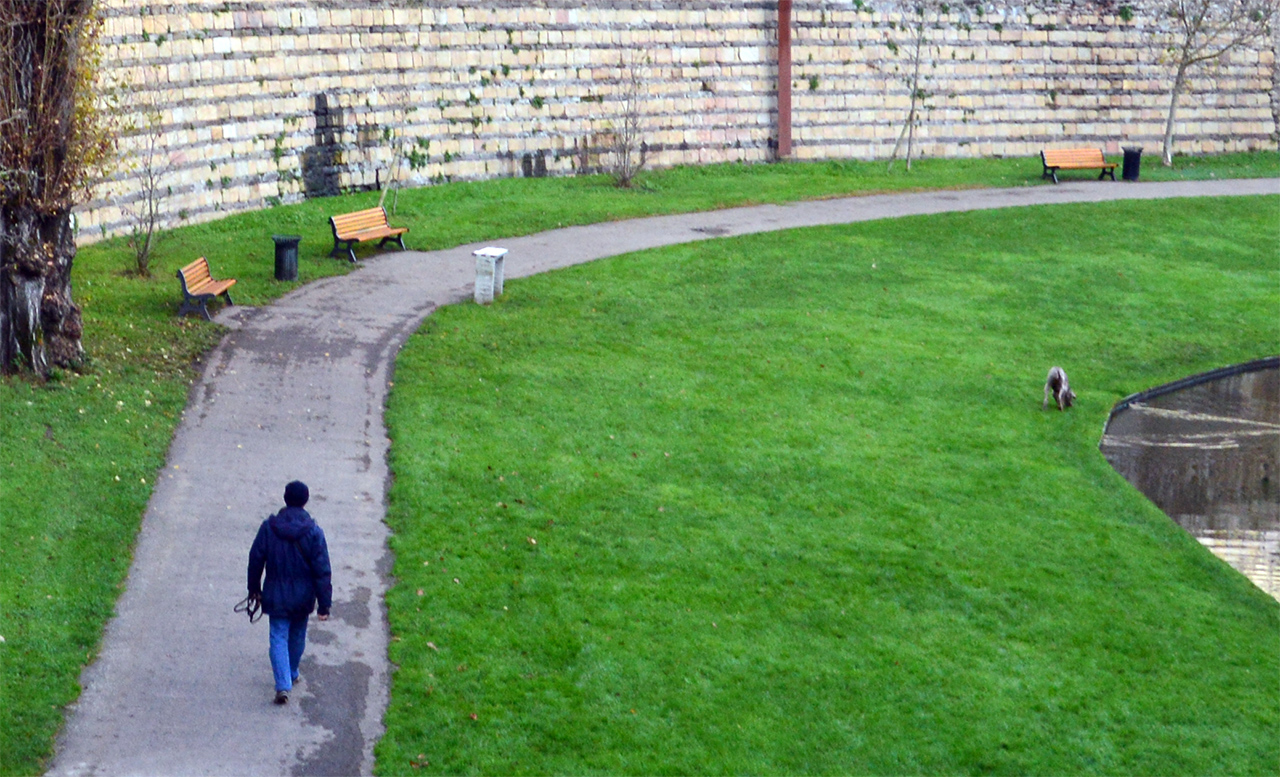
292	549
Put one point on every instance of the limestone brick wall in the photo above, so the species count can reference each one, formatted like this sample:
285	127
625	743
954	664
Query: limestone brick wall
1009	80
257	102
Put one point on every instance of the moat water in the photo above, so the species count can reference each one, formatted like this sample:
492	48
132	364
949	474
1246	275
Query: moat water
1206	451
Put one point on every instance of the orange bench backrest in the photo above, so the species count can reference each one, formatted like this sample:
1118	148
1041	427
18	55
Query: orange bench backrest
1063	157
196	273
347	223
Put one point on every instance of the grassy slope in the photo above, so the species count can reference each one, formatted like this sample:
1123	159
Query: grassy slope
64	551
796	513
443	216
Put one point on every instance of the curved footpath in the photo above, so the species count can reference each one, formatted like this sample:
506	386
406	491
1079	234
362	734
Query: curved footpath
296	390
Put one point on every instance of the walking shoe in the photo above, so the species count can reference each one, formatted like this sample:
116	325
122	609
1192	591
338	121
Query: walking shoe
282	697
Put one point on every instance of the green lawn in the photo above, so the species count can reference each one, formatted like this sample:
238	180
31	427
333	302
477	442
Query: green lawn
64	551
788	504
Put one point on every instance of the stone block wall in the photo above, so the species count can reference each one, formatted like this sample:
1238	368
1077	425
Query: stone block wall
257	102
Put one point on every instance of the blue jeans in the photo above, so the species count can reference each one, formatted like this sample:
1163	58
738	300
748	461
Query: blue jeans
288	640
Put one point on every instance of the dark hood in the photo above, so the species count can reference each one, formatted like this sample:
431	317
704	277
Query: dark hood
291	523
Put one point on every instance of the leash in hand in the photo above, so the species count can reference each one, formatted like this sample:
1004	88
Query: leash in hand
252	606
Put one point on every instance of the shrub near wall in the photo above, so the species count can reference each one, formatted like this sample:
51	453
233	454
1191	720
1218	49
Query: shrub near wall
270	101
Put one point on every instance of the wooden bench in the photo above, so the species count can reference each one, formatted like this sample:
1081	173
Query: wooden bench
371	224
198	288
1076	159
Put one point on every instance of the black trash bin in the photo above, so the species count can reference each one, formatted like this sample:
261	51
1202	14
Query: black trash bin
1132	161
287	256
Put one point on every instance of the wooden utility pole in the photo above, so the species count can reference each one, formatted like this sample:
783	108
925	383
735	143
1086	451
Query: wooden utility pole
784	79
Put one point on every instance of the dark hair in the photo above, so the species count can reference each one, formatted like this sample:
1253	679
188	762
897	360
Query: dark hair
296	494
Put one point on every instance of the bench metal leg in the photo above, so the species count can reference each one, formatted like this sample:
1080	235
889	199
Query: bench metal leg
191	305
347	251
397	238
339	250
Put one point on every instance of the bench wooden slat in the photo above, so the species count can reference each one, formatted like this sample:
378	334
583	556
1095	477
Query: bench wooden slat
210	287
1076	159
372	232
362	225
199	288
364	219
196	271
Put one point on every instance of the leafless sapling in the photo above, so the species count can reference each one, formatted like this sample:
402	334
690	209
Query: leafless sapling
628	152
149	160
918	62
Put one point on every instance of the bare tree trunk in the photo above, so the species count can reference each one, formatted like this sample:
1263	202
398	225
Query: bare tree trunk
911	134
1179	83
393	171
40	325
1275	73
40	56
911	116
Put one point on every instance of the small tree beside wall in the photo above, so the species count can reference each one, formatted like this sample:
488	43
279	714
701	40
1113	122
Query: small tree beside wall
1206	31
625	138
152	166
916	54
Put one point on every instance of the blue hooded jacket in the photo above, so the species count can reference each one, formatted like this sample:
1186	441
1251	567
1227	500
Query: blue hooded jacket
292	550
